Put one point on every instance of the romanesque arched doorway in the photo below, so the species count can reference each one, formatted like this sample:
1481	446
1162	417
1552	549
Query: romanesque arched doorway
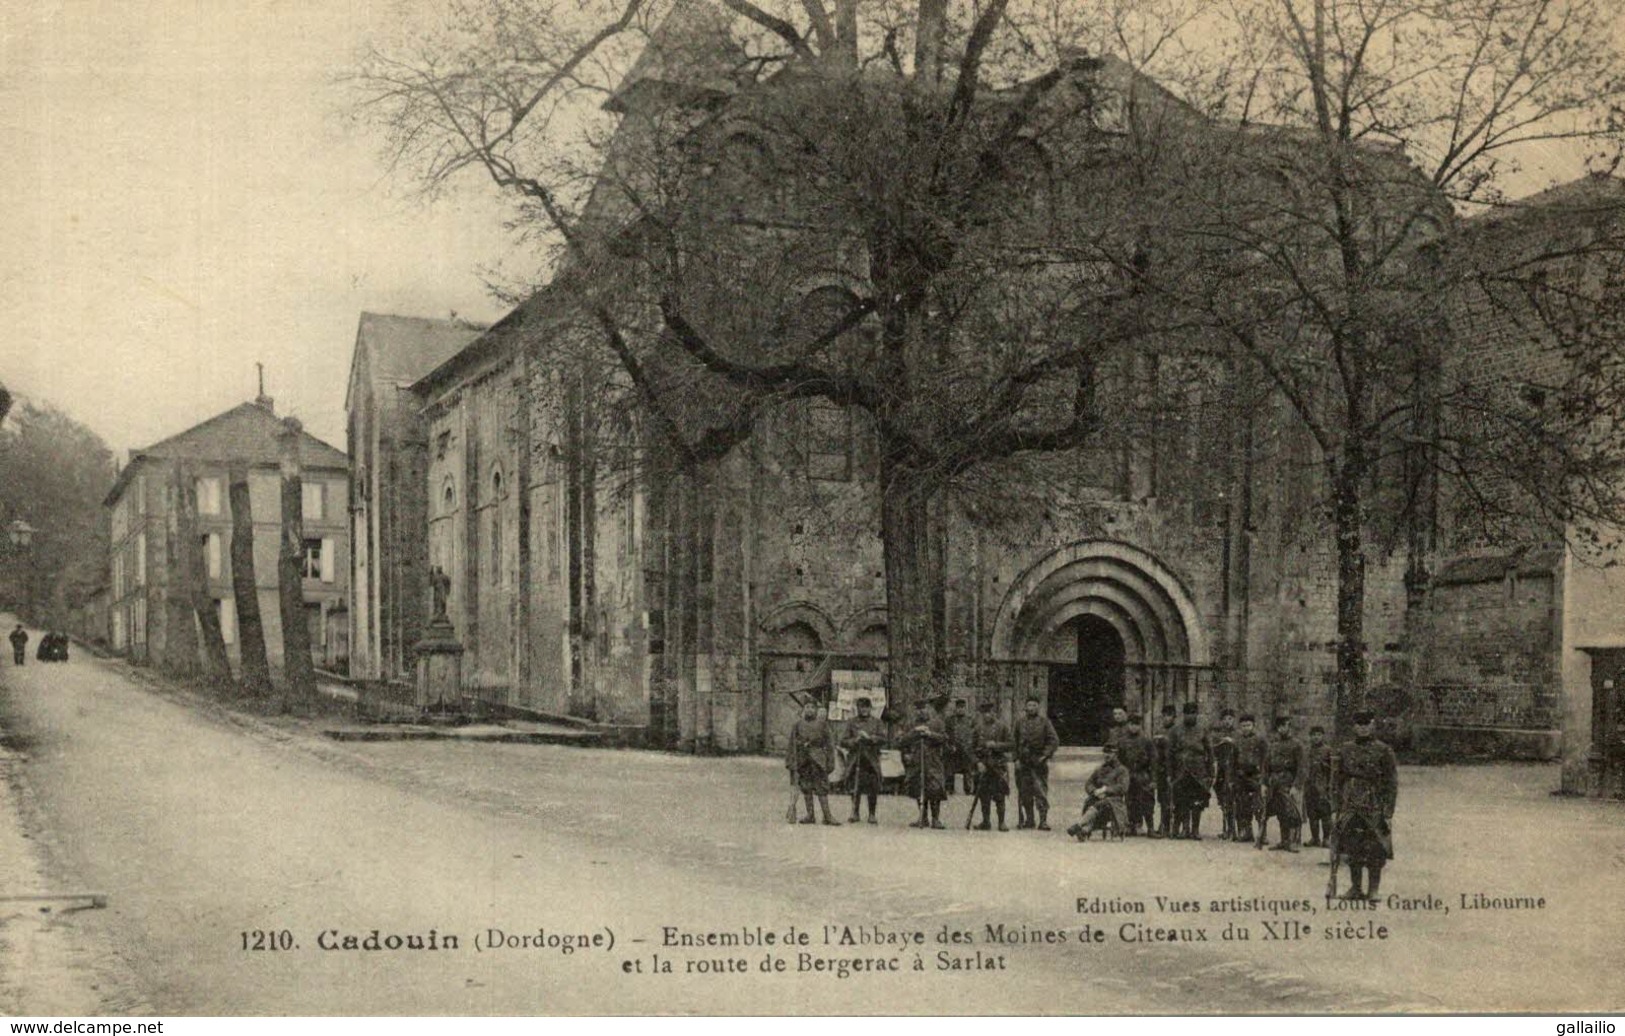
1095	624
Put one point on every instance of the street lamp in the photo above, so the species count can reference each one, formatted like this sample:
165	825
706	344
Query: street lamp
21	535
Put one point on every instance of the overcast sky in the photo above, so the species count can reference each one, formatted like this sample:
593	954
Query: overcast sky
180	201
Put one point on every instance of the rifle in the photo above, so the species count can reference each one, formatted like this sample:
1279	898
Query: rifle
920	761
976	796
1331	834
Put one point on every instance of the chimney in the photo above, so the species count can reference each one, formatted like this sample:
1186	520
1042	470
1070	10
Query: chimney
263	401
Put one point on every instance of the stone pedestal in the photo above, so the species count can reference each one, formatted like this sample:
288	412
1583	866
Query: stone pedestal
440	668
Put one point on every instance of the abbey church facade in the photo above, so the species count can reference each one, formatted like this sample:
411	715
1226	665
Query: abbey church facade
1182	557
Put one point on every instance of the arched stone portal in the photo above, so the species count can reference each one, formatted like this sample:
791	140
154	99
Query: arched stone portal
1114	626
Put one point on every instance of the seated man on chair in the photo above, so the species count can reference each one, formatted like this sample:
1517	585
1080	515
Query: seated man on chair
1105	802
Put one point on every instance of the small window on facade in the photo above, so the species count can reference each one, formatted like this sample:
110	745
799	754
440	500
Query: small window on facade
442	444
208	496
496	484
313	559
211	554
313	499
448	497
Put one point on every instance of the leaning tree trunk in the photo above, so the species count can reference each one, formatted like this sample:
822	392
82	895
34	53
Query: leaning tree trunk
245	587
914	588
1348	513
300	672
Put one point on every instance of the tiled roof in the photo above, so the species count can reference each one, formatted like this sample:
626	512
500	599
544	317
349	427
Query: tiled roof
404	349
247	433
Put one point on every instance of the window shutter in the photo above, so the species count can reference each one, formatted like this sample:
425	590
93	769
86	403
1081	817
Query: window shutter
228	620
327	559
214	555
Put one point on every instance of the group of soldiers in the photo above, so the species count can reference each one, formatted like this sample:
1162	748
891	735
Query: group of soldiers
936	751
1157	784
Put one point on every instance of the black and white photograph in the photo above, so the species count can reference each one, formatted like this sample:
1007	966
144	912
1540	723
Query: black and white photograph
523	508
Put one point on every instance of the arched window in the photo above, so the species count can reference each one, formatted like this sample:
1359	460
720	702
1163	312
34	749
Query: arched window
497	484
448	496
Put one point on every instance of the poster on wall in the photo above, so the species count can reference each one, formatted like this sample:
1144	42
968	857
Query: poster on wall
848	685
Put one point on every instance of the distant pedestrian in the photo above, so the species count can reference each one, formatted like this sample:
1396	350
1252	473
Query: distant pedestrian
1036	742
19	645
810	757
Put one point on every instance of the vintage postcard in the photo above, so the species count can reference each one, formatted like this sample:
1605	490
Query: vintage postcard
751	507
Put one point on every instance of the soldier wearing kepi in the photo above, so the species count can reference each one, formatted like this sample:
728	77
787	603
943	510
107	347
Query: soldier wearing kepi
865	736
1246	777
923	745
1138	755
1317	788
809	758
1367	787
992	744
961	756
1036	742
1117	726
1104	797
1224	770
1165	800
1283	782
1190	757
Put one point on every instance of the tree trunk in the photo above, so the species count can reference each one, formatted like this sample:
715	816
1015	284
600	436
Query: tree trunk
914	586
298	669
1348	520
256	670
180	656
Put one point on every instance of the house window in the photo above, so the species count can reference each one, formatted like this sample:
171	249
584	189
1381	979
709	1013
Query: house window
313	499
496	484
211	553
448	497
208	496
225	609
141	559
318	563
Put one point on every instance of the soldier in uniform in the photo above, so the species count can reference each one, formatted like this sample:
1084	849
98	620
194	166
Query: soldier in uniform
1119	720
1367	787
1283	782
1036	742
1224	770
865	736
1165	801
924	743
1245	778
19	645
1317	788
809	758
992	743
1104	797
1190	759
961	759
1138	755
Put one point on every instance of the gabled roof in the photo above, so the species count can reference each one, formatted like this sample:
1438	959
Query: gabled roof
398	350
247	432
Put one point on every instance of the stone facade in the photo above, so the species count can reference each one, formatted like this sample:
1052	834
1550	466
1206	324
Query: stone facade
145	597
388	500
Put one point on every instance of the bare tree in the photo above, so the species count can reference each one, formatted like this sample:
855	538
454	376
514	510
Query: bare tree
256	671
298	669
925	172
1310	235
